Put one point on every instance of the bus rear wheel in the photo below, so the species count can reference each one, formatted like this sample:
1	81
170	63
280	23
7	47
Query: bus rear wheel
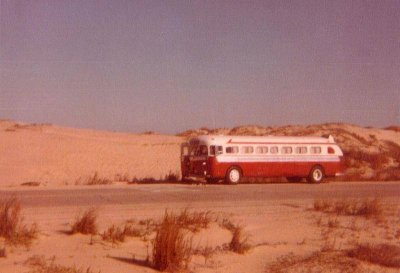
316	175
233	176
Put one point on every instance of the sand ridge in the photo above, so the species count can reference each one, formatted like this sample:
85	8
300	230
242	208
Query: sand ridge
46	154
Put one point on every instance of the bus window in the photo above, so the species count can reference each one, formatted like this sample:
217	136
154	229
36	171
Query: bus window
215	150
261	150
331	150
192	150
315	150
185	150
301	150
286	150
274	150
232	150
212	150
247	149
201	150
204	150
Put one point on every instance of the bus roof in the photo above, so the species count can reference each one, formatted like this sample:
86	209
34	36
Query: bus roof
254	140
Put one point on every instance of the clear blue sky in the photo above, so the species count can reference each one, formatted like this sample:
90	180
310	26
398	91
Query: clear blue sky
169	66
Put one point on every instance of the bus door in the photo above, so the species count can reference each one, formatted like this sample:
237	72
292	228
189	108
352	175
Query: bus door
198	160
185	161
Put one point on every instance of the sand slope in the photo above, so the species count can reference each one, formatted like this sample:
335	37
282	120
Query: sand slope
370	153
56	155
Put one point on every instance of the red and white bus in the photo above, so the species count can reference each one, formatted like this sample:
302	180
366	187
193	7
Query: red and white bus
231	158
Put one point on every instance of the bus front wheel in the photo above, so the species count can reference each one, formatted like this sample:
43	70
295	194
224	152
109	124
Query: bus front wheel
233	175
316	175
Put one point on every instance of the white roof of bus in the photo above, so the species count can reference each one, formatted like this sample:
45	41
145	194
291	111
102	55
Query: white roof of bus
223	140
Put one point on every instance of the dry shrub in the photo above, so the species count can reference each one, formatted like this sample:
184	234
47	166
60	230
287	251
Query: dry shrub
227	224
240	241
97	180
322	205
122	177
145	180
194	220
131	231
113	234
366	207
375	160
331	261
393	128
39	264
171	177
381	254
31	184
394	150
86	224
379	162
116	234
172	249
389	174
149	225
3	252
11	224
207	252
333	223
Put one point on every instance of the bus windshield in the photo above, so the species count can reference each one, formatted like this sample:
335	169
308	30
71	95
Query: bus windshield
199	150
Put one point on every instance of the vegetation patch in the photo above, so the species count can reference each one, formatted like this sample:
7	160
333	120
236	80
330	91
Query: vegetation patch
86	223
39	264
31	184
97	180
12	228
382	254
332	261
145	180
122	177
393	128
366	207
117	234
194	220
240	241
172	247
3	252
171	177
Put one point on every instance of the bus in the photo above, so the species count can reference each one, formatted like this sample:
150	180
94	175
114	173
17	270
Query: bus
232	158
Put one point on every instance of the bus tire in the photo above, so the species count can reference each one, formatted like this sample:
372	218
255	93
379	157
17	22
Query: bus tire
316	175
233	175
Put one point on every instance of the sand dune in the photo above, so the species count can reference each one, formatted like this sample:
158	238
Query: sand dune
55	155
370	153
52	155
292	235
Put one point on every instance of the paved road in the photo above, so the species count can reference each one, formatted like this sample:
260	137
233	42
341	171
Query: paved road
179	193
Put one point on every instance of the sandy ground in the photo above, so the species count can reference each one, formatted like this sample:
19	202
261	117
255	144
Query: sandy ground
52	155
277	226
278	218
55	156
